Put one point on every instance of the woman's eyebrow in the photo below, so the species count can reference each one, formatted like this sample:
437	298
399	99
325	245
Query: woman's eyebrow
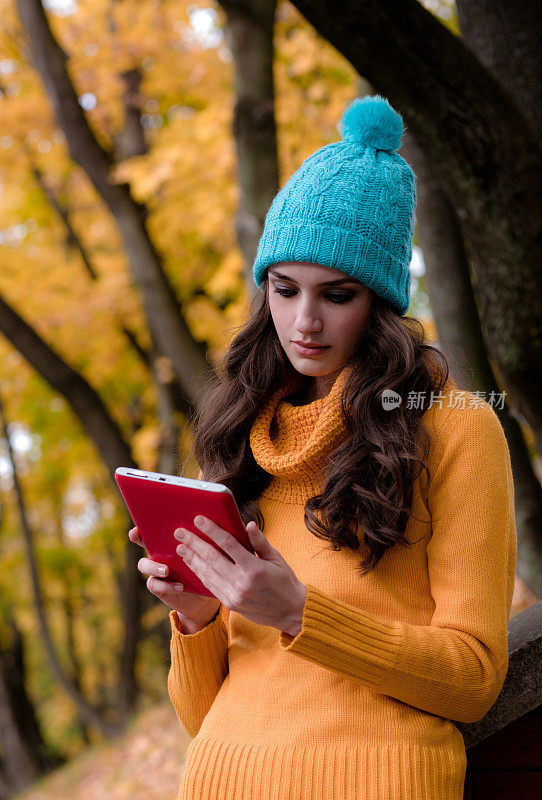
326	283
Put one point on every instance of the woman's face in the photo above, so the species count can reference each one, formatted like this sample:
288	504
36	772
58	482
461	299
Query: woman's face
305	310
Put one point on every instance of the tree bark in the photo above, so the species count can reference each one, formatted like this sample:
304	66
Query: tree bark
249	34
18	766
460	336
487	159
130	141
21	742
506	38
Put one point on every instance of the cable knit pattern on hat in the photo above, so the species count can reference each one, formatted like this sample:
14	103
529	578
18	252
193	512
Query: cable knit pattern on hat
360	704
350	206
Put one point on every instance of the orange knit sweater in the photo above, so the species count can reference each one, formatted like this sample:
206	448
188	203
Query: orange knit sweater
360	704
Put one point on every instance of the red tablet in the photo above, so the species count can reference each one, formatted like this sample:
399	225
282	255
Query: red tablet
159	504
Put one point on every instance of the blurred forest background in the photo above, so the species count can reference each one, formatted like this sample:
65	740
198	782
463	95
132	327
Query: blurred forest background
141	143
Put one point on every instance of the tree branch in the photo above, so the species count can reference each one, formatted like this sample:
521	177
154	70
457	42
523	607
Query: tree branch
166	324
83	399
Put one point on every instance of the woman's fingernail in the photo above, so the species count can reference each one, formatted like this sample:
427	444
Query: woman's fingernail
178	587
162	571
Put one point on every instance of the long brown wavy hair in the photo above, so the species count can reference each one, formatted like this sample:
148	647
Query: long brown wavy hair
371	475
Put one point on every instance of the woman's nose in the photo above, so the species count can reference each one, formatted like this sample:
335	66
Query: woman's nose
307	320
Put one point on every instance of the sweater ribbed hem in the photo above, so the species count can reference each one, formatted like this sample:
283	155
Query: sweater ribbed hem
376	639
217	769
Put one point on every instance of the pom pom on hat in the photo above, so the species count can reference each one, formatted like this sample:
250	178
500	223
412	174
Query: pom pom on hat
373	122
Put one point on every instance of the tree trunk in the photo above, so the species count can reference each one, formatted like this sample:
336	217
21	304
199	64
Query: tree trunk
21	743
486	156
69	588
130	141
18	766
90	714
249	33
506	38
460	336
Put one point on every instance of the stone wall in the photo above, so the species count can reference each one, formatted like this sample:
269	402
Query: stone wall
504	749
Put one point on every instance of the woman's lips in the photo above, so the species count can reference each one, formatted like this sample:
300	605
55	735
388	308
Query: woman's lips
310	351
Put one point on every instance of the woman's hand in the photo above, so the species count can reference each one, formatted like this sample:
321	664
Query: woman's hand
195	611
262	588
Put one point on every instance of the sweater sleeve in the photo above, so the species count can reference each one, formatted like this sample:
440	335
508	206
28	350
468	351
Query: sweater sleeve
455	666
199	665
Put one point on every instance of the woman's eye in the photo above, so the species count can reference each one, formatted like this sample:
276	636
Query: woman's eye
334	298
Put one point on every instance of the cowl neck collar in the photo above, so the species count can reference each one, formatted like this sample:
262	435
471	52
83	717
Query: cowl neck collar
293	443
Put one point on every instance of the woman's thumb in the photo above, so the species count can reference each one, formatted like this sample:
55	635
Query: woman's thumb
258	540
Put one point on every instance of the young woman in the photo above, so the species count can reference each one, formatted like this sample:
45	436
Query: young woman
378	498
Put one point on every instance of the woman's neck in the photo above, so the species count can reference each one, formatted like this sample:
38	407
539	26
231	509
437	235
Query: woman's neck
314	388
303	397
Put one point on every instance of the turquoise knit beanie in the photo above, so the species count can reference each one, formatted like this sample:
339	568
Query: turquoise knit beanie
350	206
